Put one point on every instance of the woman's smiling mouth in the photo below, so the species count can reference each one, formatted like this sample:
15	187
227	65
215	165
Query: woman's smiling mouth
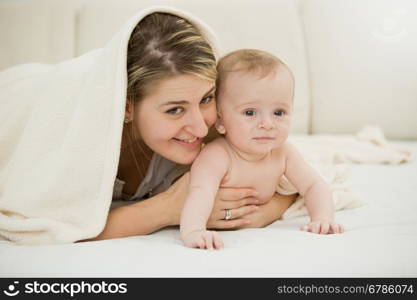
193	142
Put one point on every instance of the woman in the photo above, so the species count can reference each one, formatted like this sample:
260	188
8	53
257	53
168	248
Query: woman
70	143
170	108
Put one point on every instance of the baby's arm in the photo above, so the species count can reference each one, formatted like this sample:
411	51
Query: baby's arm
206	174
317	194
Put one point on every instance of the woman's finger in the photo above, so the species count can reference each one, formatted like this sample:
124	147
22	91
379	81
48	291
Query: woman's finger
235	193
229	224
219	210
236	213
243	211
238	203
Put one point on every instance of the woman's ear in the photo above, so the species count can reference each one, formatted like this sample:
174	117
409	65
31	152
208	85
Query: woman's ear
219	124
129	110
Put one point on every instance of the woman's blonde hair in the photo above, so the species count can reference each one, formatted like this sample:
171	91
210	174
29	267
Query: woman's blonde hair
164	45
161	46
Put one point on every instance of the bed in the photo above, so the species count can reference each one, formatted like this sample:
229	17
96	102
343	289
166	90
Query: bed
380	241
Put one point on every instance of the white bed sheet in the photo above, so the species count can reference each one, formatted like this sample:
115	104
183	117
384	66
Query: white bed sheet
380	241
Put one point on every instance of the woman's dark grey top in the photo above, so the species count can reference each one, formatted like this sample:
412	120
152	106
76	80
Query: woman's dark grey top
159	177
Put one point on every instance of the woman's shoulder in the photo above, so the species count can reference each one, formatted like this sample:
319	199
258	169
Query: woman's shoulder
118	189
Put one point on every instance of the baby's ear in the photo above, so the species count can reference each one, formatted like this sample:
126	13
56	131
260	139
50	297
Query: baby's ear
219	125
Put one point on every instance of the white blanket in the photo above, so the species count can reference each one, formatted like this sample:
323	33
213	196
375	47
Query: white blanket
328	153
60	140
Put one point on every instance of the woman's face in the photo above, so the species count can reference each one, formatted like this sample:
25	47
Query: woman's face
176	115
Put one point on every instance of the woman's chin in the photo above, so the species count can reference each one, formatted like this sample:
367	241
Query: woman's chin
182	157
185	160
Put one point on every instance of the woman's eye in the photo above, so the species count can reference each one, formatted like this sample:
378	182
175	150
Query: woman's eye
206	99
249	112
280	112
175	111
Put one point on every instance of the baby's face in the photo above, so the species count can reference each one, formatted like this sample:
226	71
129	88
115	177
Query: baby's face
255	113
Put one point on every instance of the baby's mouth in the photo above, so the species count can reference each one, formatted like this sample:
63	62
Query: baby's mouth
266	138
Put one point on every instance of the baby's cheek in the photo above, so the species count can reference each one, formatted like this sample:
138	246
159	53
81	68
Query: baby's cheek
284	130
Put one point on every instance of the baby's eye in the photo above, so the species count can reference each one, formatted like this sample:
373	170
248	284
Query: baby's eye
207	99
249	112
280	112
175	111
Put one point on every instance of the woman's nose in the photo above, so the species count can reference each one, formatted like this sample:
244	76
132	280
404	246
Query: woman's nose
196	124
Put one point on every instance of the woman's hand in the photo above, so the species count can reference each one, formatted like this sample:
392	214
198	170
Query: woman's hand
241	202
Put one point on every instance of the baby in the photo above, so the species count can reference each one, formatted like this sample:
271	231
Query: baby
255	103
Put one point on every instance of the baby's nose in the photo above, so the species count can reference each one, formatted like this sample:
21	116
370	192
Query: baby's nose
266	123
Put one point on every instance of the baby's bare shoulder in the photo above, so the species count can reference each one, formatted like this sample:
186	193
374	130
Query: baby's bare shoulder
287	149
217	147
213	156
218	144
283	151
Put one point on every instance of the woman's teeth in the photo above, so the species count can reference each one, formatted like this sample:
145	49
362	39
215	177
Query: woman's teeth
189	141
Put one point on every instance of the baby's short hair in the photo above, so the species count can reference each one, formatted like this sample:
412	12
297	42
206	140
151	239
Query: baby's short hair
253	61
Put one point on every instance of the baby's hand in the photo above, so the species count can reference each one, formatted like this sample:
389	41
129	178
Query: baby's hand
203	239
323	227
